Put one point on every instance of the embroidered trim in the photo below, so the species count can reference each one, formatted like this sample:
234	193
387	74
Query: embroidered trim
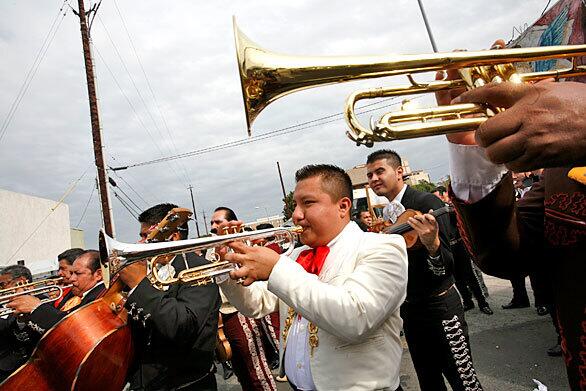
288	323
438	270
36	327
570	203
268	322
461	354
257	355
313	339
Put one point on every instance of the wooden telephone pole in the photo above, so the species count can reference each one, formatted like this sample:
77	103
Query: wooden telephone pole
95	120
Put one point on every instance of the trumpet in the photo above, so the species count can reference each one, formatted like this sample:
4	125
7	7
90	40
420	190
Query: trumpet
117	255
49	287
266	76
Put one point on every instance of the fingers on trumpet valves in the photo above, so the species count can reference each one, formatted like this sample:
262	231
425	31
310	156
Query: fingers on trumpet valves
230	227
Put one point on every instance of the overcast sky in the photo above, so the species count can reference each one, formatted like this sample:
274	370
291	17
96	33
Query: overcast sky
187	51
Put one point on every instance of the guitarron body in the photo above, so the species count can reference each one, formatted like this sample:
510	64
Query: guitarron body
89	349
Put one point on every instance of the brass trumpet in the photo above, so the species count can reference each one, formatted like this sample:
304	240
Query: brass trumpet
266	76
117	255
48	287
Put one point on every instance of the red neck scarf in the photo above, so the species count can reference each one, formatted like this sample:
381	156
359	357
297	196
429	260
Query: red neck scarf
313	259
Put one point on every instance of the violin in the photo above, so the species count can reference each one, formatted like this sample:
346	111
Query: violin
223	349
401	227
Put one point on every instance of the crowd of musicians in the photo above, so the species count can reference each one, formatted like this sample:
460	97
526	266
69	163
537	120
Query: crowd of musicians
330	315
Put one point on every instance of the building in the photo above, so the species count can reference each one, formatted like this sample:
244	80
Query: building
359	181
34	230
416	177
275	221
358	176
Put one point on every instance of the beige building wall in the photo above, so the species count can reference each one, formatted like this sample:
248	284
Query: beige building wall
358	174
77	238
29	230
416	177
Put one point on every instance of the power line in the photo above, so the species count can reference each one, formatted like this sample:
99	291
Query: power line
163	119
132	106
141	98
134	214
94	186
144	189
69	190
113	183
41	54
131	188
130	76
274	133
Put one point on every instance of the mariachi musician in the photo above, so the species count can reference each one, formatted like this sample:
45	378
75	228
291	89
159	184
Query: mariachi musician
16	340
433	316
87	285
174	330
65	260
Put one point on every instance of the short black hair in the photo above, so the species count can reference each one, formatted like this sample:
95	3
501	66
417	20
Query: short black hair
17	271
393	159
265	226
230	215
441	189
335	181
93	261
155	214
70	255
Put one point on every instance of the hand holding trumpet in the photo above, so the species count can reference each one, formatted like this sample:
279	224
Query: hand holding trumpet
543	124
256	262
24	304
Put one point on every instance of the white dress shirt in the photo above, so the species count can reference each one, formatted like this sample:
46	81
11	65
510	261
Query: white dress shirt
473	176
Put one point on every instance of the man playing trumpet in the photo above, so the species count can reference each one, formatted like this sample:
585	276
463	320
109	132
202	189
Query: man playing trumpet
174	330
338	296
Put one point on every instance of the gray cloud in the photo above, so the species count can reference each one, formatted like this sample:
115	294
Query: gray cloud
187	50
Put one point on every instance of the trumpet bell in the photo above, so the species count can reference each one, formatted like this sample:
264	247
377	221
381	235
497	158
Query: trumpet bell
267	76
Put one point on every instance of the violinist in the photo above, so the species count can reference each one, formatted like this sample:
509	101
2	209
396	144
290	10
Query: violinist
433	316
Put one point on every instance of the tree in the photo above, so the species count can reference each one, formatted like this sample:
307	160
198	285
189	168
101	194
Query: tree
424	186
289	206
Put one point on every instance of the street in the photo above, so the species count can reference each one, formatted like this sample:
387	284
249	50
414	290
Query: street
508	348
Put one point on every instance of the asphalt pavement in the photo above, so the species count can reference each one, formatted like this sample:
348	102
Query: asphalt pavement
508	348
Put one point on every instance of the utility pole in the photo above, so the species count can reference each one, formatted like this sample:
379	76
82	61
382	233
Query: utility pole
95	120
205	221
429	33
281	179
194	210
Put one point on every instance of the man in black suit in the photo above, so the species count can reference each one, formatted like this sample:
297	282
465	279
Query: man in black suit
433	317
86	278
16	343
174	330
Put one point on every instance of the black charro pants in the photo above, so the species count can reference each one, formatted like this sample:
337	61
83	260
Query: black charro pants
466	279
437	335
